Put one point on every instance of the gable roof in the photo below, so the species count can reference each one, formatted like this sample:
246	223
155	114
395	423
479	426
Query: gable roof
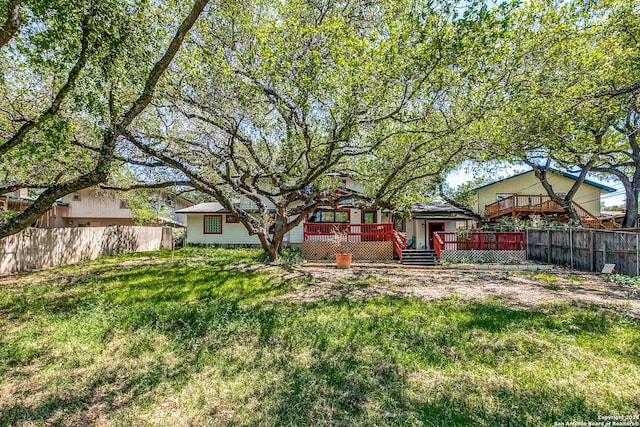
210	207
556	171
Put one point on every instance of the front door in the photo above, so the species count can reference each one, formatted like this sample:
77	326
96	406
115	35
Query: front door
434	227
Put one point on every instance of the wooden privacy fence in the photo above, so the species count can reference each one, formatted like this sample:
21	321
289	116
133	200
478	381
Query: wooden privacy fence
34	249
586	249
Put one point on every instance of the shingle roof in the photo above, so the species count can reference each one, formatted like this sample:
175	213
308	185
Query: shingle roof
435	208
210	207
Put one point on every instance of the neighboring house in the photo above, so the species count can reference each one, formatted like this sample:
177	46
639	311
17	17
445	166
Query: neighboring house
92	208
17	200
523	195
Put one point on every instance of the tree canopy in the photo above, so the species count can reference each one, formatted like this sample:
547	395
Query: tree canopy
74	77
267	101
273	98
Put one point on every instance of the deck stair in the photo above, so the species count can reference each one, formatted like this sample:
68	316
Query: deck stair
423	257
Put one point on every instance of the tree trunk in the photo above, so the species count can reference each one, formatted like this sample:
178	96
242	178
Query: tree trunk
631	214
270	247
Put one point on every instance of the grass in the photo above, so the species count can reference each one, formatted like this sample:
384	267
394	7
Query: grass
202	338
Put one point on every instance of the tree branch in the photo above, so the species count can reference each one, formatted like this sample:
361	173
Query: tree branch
29	125
12	24
144	185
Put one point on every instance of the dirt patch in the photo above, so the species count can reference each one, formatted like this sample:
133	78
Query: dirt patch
524	289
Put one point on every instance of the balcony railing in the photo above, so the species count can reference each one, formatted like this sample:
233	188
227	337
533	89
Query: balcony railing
522	203
324	232
479	240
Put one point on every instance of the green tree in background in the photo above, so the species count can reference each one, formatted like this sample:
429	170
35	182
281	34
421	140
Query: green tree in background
74	78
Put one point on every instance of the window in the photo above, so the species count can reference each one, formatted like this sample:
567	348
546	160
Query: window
400	225
369	217
213	224
76	195
232	219
330	216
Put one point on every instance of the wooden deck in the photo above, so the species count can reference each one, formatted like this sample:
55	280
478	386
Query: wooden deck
519	204
524	205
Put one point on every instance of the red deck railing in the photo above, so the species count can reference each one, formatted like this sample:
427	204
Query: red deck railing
479	240
324	232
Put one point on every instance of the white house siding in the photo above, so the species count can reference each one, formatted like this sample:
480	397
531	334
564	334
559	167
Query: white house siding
296	235
90	206
416	231
232	234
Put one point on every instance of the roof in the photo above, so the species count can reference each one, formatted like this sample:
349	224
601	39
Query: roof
438	210
556	171
210	207
435	208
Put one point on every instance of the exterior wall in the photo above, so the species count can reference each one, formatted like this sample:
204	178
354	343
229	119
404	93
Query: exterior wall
91	206
418	232
232	233
587	196
104	209
237	234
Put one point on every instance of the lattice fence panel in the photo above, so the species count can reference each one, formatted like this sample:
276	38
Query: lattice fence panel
360	250
474	255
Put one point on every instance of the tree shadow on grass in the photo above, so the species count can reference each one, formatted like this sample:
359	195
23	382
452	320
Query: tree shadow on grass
374	361
354	375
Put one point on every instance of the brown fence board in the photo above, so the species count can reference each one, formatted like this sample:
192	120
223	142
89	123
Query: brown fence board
586	250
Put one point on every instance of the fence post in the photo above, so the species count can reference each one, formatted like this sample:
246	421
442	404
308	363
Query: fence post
571	248
549	246
526	244
592	250
637	257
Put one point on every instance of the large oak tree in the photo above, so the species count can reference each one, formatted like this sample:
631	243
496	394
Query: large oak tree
274	98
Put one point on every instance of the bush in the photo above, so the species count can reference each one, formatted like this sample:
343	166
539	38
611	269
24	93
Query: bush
622	279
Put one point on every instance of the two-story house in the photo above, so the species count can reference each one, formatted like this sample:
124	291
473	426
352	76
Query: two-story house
92	208
522	195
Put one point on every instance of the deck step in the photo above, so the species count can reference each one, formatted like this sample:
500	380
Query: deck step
425	257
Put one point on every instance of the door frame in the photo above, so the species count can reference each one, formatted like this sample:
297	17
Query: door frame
430	232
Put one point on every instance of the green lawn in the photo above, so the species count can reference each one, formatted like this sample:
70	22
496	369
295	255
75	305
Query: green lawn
204	339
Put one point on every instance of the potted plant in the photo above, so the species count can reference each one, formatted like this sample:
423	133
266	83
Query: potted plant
341	240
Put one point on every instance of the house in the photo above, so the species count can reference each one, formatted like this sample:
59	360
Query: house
372	234
92	208
428	218
211	223
522	195
16	201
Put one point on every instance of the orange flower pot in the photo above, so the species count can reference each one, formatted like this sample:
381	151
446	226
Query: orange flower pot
343	260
